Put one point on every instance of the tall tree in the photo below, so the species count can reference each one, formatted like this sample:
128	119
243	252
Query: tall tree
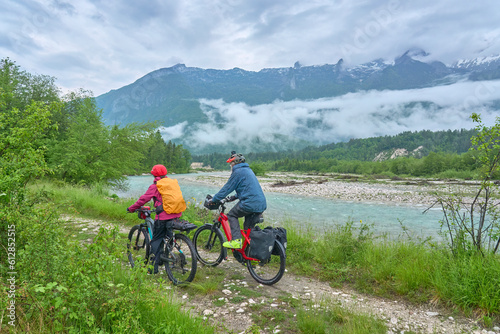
86	151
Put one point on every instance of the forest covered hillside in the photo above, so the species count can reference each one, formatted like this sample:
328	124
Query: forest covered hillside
416	144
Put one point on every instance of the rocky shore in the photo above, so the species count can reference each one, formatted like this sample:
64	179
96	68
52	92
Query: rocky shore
352	188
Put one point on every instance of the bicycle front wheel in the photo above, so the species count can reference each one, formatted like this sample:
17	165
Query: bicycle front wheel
208	242
138	246
271	271
180	263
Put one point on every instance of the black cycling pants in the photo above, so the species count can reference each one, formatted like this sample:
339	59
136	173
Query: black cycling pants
162	229
235	213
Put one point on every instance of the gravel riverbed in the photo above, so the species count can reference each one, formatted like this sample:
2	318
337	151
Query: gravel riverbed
409	191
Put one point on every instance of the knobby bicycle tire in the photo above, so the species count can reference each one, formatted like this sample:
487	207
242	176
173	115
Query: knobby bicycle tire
181	262
271	271
139	245
208	242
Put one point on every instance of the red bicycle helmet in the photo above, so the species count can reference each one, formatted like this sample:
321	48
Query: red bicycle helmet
159	170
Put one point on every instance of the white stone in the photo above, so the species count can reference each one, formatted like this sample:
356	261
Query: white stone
432	314
240	310
243	304
184	297
274	305
226	292
394	321
251	301
208	312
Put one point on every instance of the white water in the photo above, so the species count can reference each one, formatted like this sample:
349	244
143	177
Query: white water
318	212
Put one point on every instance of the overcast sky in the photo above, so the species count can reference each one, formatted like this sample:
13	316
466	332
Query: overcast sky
103	45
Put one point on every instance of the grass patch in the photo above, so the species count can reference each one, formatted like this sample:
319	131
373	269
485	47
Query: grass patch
331	318
271	319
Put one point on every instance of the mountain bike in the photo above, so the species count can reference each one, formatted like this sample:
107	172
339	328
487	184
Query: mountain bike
178	256
208	240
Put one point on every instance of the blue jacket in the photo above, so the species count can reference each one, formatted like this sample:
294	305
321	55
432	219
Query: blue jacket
247	187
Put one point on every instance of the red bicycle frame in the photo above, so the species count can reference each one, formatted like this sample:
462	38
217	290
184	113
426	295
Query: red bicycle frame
223	220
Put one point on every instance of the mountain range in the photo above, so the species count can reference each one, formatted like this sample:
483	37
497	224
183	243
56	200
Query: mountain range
199	108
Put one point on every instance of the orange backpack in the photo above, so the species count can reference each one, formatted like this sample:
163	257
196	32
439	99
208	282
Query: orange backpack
171	195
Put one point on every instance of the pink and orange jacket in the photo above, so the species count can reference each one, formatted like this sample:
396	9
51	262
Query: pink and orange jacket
153	193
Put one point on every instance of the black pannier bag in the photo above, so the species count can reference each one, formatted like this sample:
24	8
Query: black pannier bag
261	243
280	235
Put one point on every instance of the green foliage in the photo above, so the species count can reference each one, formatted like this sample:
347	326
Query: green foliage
447	156
474	226
417	270
357	155
86	151
21	146
258	169
174	157
22	88
470	281
333	318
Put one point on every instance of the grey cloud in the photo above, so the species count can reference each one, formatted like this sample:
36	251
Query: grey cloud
354	115
64	6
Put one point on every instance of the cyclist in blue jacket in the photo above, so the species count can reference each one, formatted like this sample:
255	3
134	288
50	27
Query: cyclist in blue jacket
251	197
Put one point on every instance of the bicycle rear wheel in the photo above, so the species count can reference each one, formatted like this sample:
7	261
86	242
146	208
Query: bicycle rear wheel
208	242
180	262
138	246
271	271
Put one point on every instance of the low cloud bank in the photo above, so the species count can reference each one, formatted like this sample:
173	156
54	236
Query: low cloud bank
354	115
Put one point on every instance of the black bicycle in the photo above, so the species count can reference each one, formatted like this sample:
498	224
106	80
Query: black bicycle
179	255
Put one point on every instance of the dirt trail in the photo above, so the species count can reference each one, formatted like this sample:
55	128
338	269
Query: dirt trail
231	308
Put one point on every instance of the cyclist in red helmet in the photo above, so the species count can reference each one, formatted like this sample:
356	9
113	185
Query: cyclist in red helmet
163	221
248	191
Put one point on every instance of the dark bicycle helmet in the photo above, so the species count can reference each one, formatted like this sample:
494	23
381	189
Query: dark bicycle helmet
236	158
211	205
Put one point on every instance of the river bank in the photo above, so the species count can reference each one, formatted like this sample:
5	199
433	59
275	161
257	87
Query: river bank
355	188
